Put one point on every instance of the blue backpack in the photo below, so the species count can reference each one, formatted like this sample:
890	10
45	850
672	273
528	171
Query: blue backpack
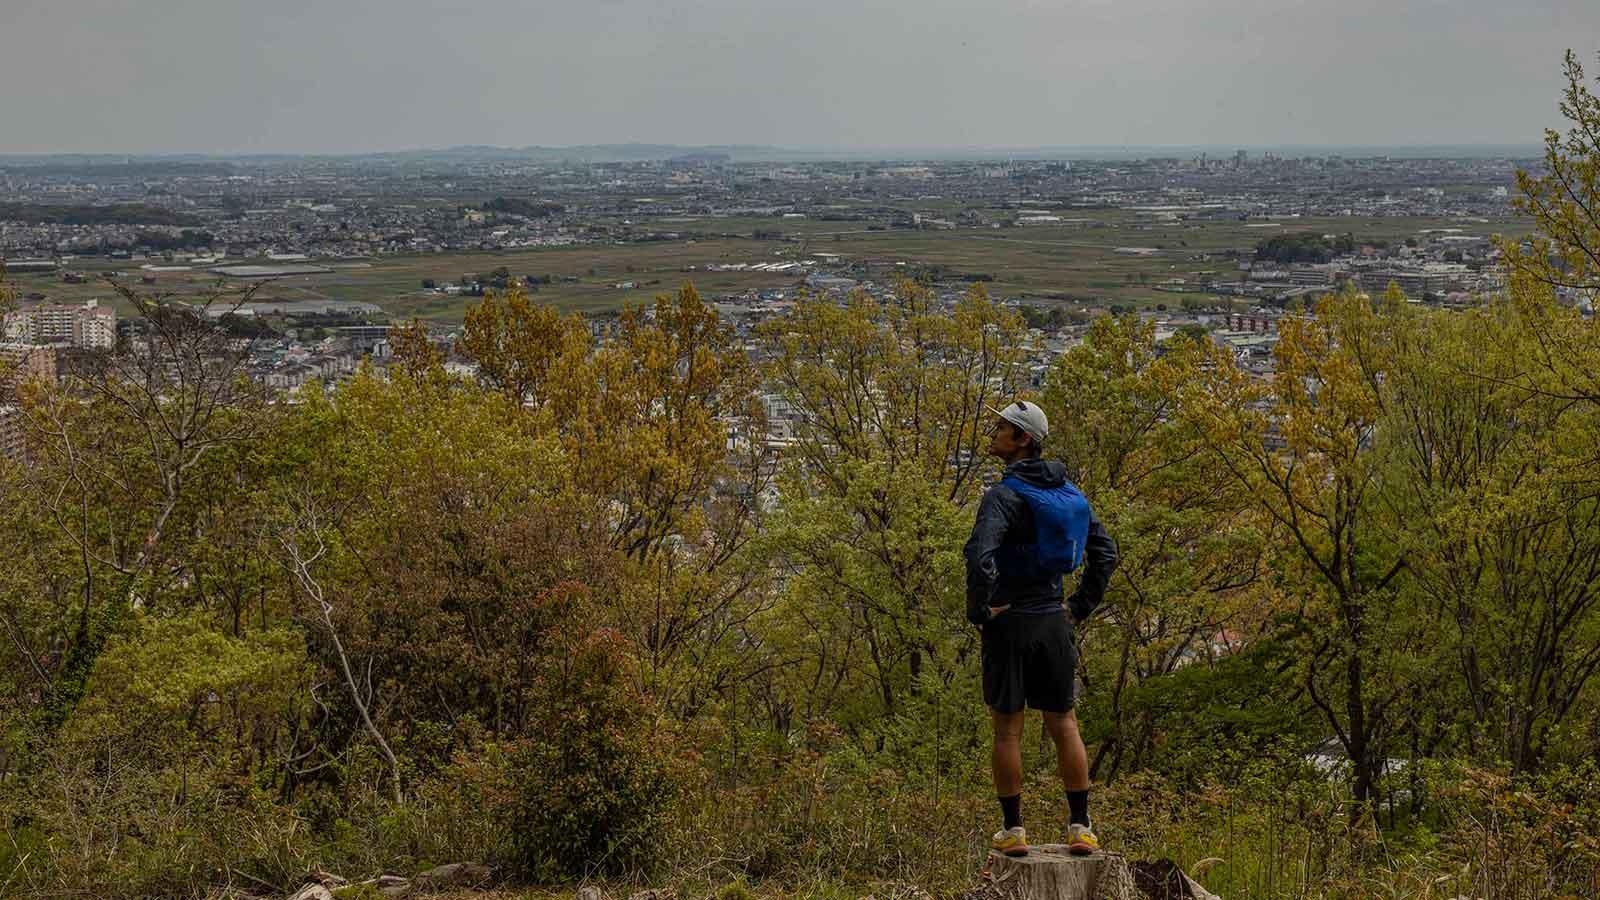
1061	524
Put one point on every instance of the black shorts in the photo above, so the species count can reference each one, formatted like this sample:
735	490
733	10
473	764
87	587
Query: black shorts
1029	659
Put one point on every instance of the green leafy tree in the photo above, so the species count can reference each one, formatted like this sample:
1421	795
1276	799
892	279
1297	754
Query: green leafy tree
1560	263
122	446
1501	531
529	351
1301	447
1565	201
664	432
886	400
1190	586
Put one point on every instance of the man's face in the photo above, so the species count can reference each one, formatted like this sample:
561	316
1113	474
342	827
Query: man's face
1006	440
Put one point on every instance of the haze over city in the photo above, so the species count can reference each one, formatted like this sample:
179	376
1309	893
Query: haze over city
178	76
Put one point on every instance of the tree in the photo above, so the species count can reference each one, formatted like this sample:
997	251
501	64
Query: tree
886	401
1193	547
1499	536
678	456
665	434
300	562
1303	247
1563	259
676	385
528	351
414	349
1565	201
1323	406
8	303
122	443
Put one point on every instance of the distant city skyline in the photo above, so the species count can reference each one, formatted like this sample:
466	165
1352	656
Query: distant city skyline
229	77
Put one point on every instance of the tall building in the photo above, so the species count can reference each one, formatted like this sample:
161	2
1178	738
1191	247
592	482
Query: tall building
11	439
89	326
19	362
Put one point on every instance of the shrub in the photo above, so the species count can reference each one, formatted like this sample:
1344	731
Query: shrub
151	787
593	784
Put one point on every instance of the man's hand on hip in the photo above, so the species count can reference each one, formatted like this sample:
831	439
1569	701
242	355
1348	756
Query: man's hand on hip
994	611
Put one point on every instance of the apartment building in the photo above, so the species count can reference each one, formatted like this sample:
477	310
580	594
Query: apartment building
89	325
12	445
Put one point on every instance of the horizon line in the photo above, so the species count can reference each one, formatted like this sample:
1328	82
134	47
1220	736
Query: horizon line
1529	148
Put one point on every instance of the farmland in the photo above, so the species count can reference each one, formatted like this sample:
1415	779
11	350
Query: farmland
1074	260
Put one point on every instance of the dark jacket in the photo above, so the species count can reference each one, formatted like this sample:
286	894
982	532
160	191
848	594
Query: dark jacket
1005	519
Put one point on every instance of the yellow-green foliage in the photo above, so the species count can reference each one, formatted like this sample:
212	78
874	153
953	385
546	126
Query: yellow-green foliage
181	676
736	890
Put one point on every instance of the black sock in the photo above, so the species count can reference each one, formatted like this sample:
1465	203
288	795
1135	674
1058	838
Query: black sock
1078	803
1011	808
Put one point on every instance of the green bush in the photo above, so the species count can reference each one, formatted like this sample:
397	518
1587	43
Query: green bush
593	786
147	788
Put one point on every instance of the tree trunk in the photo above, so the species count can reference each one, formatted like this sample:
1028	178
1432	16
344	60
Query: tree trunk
1049	872
1360	749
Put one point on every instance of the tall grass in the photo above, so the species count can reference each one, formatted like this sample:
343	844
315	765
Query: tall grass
831	822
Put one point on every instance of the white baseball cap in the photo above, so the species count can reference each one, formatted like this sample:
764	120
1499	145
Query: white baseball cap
1027	416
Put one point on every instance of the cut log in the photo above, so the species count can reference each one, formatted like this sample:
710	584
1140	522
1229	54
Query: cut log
1049	872
454	875
327	879
1161	879
391	886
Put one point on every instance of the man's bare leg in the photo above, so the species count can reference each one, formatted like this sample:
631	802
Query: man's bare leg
1006	760
1072	760
1006	757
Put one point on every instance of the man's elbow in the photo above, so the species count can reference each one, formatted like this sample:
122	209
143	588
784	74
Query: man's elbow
1108	548
1104	555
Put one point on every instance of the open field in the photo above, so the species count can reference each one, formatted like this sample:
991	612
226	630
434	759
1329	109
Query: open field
1075	260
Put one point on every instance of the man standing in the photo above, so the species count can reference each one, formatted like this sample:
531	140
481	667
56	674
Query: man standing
1032	528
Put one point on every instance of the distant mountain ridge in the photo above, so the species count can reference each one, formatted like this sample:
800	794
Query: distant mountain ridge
747	153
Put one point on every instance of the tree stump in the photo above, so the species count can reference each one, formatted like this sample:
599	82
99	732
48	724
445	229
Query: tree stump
1049	872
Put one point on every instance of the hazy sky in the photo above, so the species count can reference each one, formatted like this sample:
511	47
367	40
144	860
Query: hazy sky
133	76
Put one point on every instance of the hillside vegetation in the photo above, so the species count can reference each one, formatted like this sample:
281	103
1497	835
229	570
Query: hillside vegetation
82	214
